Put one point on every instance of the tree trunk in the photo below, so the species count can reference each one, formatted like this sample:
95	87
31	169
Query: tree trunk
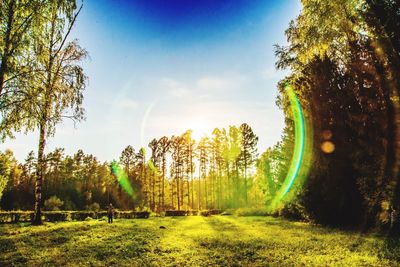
199	188
163	184
7	46
153	194
205	190
178	192
245	181
188	191
37	217
172	194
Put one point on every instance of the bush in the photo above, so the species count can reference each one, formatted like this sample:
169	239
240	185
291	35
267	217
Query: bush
205	213
228	212
252	212
215	212
81	215
56	216
175	213
53	203
141	214
293	211
193	212
16	216
94	207
124	214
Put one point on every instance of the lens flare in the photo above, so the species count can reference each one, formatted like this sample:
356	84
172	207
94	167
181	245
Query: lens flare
299	141
328	147
298	168
122	178
327	135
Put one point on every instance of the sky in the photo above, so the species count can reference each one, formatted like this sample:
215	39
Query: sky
158	68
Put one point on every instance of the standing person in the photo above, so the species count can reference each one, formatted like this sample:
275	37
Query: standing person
110	213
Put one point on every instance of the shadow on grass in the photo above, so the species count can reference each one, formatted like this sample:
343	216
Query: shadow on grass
68	243
391	249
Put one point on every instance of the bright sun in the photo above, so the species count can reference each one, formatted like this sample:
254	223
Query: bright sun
200	128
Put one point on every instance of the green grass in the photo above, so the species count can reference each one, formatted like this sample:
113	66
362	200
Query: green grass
188	241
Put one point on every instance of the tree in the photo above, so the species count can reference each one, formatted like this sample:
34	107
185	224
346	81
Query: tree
188	153
141	157
18	19
6	162
178	146
154	146
165	144
248	153
58	83
217	146
203	152
128	159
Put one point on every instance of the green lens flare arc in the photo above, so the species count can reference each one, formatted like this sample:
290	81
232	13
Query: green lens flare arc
299	146
122	178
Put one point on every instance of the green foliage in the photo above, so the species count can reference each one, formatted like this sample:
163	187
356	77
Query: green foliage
7	163
344	61
53	203
252	212
18	22
15	216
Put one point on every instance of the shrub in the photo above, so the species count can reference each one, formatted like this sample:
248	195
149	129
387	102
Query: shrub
228	212
215	212
141	214
81	215
16	216
193	212
293	211
175	213
56	216
205	213
124	214
53	203
94	207
252	212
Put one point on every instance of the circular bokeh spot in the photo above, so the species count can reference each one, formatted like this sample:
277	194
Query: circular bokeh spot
328	147
327	134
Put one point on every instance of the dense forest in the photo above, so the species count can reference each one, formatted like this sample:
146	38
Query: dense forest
343	67
345	70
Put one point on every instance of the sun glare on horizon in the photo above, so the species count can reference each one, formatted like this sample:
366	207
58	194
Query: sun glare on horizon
200	128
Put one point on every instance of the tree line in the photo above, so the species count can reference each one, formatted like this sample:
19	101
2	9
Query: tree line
178	173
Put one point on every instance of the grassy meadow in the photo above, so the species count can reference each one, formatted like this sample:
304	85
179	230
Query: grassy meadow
188	241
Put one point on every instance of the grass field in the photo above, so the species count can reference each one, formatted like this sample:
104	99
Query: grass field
188	241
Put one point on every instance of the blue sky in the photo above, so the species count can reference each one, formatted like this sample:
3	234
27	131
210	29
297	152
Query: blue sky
159	67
